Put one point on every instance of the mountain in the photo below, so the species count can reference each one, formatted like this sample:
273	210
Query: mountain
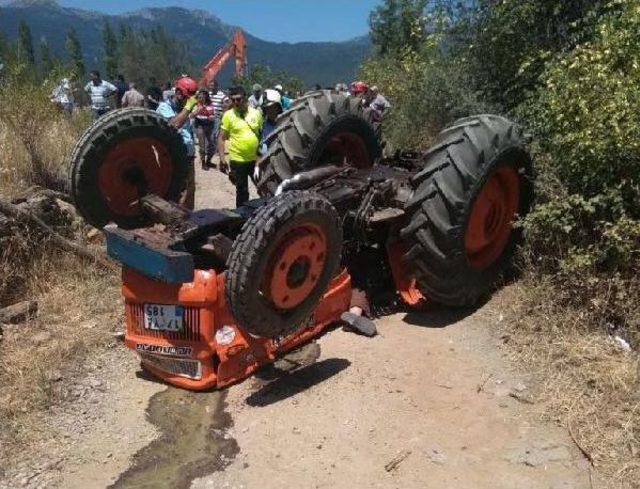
314	62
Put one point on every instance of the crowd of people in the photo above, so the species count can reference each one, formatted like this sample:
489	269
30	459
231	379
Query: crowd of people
231	123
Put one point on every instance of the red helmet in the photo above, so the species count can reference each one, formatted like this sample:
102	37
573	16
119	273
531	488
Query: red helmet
358	88
187	86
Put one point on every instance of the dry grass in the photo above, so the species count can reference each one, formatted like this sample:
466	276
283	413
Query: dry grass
79	307
50	146
589	385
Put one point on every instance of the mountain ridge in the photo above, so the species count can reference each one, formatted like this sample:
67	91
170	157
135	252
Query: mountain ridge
314	62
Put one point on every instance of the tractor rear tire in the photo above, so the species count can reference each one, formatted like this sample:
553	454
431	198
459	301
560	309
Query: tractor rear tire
121	153
282	262
321	128
476	180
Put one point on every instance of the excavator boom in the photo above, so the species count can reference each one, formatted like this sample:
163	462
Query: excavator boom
236	48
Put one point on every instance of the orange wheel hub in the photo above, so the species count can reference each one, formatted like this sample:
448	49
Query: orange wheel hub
135	166
492	216
295	266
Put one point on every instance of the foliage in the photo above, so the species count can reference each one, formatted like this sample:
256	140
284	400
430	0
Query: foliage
46	60
426	90
110	51
427	86
587	114
74	51
511	40
265	77
25	44
150	57
398	25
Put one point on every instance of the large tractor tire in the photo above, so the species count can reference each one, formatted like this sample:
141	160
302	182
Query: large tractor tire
282	263
121	157
321	128
476	181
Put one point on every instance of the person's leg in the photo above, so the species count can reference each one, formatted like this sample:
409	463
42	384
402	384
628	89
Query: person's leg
211	145
188	195
239	176
201	144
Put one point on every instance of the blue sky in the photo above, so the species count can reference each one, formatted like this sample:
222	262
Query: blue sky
272	20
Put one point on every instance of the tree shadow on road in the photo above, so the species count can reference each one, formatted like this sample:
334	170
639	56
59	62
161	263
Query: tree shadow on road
297	381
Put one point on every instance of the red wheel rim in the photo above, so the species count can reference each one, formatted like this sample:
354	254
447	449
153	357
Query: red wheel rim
492	216
295	267
135	165
347	148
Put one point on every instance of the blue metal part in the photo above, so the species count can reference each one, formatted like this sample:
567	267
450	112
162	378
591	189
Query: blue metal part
173	267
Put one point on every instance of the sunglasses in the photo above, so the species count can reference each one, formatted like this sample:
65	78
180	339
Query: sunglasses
237	98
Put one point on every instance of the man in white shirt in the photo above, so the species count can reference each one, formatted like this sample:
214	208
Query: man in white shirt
99	90
217	96
255	101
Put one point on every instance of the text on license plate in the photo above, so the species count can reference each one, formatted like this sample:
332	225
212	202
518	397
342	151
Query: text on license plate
162	317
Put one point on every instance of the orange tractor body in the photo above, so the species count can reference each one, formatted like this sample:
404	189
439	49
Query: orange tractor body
212	350
212	295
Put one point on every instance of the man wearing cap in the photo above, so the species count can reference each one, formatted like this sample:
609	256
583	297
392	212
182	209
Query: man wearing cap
240	134
171	110
255	101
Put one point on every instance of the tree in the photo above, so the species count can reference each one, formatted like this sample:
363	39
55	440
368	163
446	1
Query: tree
46	62
110	50
25	44
264	76
74	51
398	24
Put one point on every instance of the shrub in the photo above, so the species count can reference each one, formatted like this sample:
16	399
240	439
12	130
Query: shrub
427	91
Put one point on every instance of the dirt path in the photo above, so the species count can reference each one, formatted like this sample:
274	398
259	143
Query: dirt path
430	402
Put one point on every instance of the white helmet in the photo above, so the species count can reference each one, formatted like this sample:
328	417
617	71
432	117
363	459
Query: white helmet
271	97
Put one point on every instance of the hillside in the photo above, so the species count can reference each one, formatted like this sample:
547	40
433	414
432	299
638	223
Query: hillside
313	62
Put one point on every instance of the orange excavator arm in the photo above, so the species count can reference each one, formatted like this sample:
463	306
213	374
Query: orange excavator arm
236	48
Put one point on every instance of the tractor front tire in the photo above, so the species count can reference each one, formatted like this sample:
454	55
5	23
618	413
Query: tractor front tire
477	179
321	128
126	153
282	262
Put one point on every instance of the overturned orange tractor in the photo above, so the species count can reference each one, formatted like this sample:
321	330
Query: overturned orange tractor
214	294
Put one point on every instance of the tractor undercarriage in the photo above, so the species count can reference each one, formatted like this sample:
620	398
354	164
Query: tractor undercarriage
214	294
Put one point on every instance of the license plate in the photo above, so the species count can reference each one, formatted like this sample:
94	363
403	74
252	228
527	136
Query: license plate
161	317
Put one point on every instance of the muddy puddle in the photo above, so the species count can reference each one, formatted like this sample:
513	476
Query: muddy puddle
193	425
193	442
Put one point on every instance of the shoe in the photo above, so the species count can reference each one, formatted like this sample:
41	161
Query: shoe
205	168
360	324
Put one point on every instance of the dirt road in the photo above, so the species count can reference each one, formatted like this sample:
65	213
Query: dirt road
430	402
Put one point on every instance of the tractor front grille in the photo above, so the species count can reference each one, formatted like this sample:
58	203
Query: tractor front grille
191	331
190	369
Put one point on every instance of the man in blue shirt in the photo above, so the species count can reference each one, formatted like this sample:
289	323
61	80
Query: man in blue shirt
169	109
286	101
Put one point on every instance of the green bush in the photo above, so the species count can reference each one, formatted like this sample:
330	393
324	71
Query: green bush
587	113
427	91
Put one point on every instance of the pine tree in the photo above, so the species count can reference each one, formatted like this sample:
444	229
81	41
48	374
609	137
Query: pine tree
25	44
74	51
46	62
397	24
110	50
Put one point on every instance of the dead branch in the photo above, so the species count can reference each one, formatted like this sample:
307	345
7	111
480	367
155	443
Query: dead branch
18	313
21	214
